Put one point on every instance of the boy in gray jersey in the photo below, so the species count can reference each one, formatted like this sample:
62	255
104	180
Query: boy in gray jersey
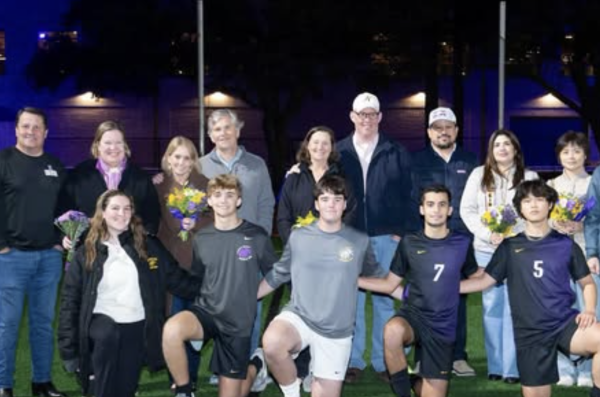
323	261
227	256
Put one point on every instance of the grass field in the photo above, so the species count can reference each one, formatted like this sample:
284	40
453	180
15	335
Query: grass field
156	385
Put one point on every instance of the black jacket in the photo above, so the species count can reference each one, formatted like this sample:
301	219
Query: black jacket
385	208
297	198
79	292
85	184
429	168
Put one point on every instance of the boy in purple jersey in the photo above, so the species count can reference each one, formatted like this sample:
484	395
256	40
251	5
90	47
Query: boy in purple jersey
537	265
432	262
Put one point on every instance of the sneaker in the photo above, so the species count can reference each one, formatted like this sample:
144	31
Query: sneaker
307	383
213	380
462	368
262	377
585	381
565	380
415	370
190	394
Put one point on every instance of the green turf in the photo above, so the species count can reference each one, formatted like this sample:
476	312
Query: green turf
156	385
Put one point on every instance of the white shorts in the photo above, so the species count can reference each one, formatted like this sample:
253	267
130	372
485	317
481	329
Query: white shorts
329	356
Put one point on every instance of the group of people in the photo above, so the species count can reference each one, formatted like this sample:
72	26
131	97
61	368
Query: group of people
348	215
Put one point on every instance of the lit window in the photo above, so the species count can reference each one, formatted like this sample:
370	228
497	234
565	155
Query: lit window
48	40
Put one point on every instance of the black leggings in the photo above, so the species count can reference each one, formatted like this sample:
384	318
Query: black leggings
117	356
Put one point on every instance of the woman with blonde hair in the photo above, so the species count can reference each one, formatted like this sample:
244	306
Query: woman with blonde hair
490	186
112	302
180	169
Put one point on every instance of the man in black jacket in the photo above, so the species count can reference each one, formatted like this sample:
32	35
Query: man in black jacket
377	170
444	162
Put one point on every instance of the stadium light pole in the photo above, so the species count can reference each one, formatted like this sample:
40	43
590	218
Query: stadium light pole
201	75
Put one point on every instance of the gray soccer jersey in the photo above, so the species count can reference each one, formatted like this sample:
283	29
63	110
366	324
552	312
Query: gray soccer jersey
324	270
228	261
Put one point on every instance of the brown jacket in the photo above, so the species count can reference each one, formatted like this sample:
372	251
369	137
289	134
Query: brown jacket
169	226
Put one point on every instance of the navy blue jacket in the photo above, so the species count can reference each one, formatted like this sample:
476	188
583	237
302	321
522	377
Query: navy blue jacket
384	209
430	168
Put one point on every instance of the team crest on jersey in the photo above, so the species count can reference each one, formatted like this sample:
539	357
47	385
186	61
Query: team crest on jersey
244	253
346	254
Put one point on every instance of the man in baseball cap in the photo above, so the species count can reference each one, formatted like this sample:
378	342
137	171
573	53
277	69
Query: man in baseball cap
442	161
377	170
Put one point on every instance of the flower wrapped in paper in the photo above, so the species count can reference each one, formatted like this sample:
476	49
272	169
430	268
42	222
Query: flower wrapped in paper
500	219
187	202
570	207
72	224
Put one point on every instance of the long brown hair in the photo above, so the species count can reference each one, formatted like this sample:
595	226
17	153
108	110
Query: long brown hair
491	167
98	231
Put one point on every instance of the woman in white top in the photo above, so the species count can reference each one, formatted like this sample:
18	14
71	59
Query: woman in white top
491	185
572	150
112	305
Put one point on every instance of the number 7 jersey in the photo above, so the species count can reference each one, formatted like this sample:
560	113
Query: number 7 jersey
432	269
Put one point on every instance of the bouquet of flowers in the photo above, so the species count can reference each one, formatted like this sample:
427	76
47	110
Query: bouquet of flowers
570	207
72	224
187	202
500	219
305	221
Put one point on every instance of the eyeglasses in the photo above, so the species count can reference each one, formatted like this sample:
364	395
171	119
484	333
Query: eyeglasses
365	116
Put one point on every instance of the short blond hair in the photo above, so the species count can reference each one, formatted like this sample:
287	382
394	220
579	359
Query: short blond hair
224	181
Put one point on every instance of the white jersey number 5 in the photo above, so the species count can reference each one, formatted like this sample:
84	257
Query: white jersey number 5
538	270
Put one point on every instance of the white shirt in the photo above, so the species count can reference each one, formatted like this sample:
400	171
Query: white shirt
365	152
119	295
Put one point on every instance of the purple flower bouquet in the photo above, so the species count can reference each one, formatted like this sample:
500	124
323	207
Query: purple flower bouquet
72	224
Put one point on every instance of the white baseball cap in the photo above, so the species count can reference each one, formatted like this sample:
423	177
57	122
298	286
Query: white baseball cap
441	114
364	101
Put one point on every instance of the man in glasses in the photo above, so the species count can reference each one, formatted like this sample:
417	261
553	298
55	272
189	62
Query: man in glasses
377	171
443	162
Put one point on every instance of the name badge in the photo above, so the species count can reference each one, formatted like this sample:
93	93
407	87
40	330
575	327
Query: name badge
50	172
461	171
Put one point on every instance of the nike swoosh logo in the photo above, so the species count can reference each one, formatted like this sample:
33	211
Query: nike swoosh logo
517	250
419	252
247	238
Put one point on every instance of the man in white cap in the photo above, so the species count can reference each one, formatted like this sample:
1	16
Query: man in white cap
444	162
377	170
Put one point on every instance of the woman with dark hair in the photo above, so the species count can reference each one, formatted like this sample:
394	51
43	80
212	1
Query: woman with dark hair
112	302
110	168
490	186
572	151
316	157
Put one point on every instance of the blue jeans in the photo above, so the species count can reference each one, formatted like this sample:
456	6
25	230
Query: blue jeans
498	327
35	274
384	248
565	365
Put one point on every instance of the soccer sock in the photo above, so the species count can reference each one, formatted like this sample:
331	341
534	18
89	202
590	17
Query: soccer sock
595	392
401	383
257	362
291	390
185	389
